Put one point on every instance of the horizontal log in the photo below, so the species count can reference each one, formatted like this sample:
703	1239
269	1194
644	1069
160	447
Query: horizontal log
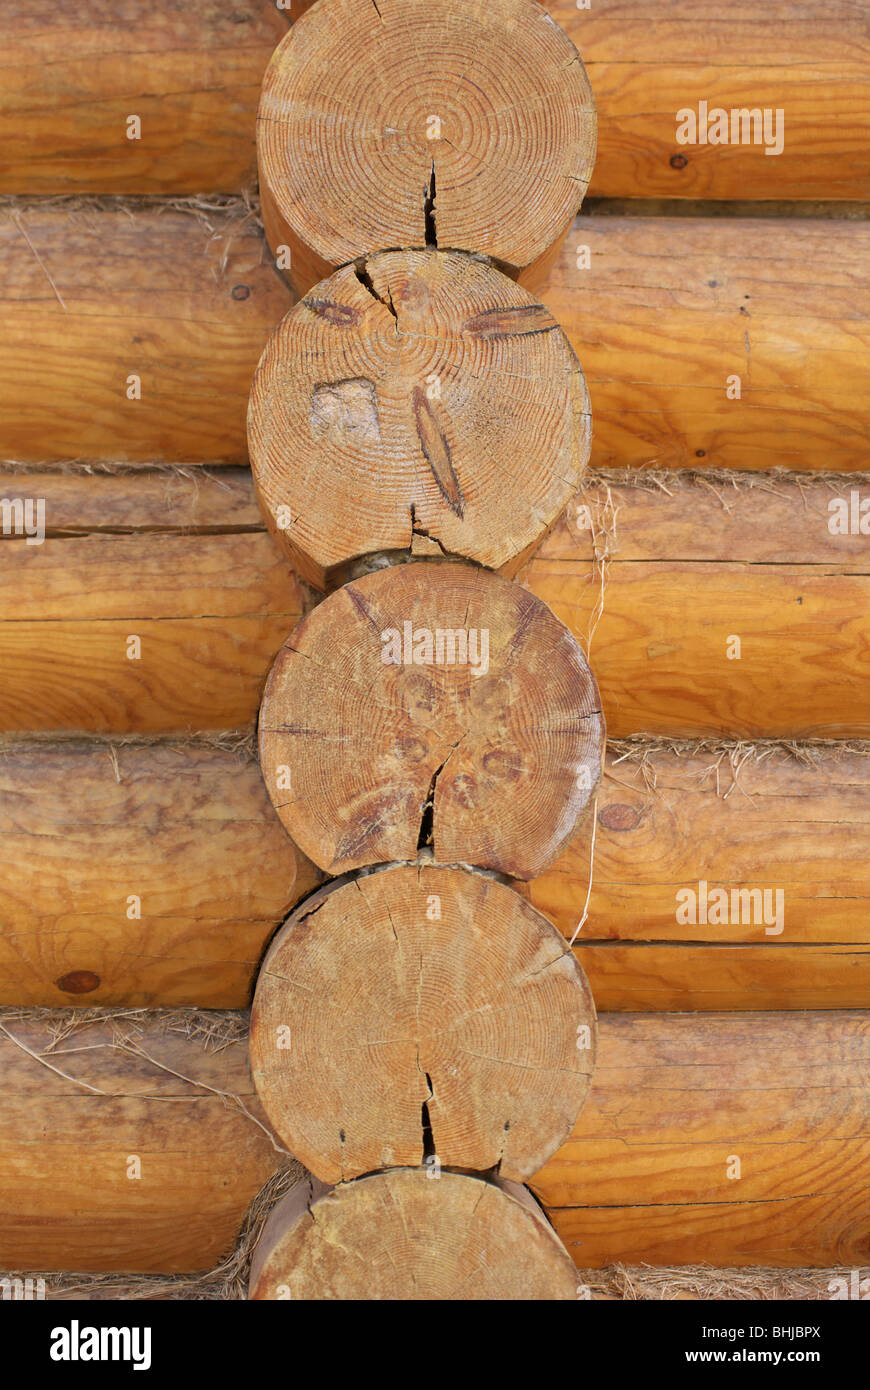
132	500
668	309
134	875
193	76
720	1139
77	1116
644	1178
730	611
182	565
671	309
74	75
186	829
657	976
793	823
647	62
131	335
687	570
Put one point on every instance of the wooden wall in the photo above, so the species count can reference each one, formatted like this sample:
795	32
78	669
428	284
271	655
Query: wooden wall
130	330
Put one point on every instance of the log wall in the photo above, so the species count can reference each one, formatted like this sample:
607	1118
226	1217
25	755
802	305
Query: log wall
682	570
133	872
182	565
75	73
650	1176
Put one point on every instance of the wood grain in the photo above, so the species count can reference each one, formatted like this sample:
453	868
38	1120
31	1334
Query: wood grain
74	73
675	1099
397	1236
670	308
421	122
91	297
647	61
770	818
420	401
210	612
431	706
66	1141
421	1012
675	596
187	829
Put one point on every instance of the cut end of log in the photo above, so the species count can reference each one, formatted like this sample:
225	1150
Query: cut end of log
418	398
422	122
420	1015
411	1234
433	709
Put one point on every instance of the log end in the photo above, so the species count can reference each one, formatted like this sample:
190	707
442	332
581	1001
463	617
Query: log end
406	1235
421	1014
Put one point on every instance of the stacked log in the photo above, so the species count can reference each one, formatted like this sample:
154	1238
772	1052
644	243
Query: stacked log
394	1235
433	714
470	128
437	405
417	1012
431	706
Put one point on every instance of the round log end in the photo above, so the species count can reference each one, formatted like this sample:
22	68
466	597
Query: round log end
421	1014
409	1234
420	401
433	708
421	122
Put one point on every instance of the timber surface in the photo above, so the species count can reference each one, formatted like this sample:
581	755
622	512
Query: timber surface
184	829
676	1099
90	297
643	1179
73	75
647	61
696	564
669	309
171	560
734	818
66	1144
